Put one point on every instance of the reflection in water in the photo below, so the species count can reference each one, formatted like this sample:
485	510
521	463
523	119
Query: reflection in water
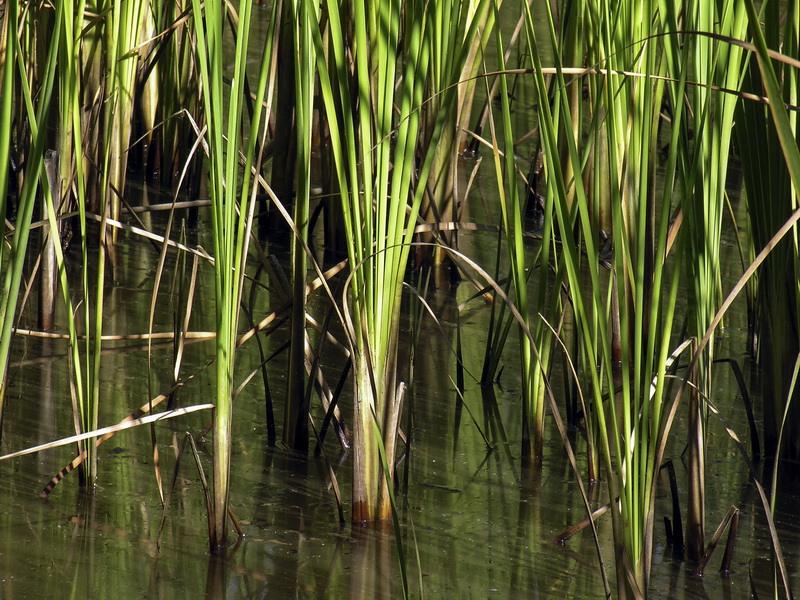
217	576
82	548
373	555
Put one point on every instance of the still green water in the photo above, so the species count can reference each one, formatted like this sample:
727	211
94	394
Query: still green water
472	526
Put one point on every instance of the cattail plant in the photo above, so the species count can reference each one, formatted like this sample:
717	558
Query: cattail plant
232	193
374	130
705	144
624	319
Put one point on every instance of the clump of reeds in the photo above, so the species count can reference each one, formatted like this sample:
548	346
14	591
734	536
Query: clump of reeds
232	191
388	78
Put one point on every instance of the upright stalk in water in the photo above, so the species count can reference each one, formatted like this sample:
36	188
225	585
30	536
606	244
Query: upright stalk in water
703	161
622	134
232	196
8	303
374	128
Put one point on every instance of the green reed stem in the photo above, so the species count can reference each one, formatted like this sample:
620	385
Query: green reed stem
766	136
8	303
703	163
86	375
296	434
511	209
122	36
7	62
232	194
375	152
27	199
